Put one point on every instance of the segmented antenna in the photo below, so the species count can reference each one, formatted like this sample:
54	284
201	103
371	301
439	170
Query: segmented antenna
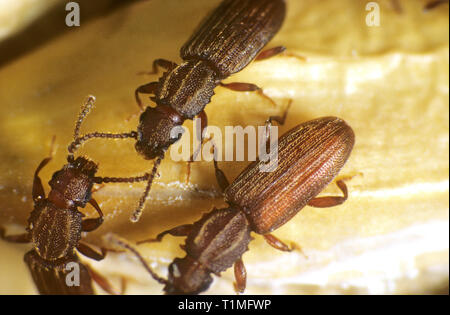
116	240
138	212
85	109
78	141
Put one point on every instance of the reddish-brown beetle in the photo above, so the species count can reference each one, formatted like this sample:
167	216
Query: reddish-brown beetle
226	41
55	226
309	157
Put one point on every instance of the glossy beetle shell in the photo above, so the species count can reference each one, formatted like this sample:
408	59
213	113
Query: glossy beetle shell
309	157
233	34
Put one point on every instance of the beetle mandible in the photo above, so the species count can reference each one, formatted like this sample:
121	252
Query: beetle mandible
310	156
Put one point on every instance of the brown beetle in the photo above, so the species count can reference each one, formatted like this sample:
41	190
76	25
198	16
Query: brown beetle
226	41
309	156
55	226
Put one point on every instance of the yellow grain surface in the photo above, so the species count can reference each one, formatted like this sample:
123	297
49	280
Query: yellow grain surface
390	83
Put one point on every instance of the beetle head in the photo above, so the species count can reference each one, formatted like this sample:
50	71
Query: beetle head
154	133
187	276
72	185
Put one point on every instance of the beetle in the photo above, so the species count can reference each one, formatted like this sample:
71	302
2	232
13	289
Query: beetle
310	155
55	226
225	42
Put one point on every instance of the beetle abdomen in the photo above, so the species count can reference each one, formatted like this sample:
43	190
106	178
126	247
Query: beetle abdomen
54	278
219	238
309	157
233	34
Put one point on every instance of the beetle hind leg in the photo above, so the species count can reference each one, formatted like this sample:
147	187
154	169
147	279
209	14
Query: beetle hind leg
277	51
325	202
280	245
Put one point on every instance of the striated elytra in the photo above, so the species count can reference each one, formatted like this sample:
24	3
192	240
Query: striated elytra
310	156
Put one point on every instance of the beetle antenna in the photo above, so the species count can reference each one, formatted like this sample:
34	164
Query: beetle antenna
116	240
85	109
138	212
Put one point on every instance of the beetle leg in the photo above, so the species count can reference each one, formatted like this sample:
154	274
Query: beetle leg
19	238
279	50
280	245
89	225
201	137
279	119
240	274
104	283
247	87
325	202
38	190
268	53
162	63
87	251
182	230
149	88
221	177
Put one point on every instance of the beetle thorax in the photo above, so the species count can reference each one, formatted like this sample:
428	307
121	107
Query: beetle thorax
188	88
72	185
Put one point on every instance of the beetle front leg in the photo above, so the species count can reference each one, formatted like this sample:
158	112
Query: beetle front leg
38	192
182	230
203	125
240	274
89	225
162	63
87	251
325	202
149	88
